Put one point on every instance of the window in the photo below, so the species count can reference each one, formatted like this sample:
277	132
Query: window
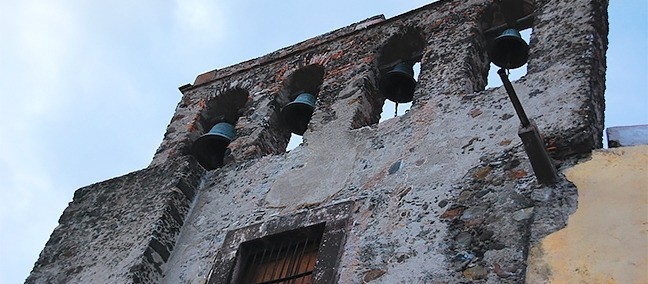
288	257
301	248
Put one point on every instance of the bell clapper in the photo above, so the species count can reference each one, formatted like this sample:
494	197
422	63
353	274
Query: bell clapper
395	109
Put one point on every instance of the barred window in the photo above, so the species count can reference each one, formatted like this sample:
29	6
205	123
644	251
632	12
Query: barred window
302	248
288	257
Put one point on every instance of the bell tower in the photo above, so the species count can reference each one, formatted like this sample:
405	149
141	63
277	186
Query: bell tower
448	192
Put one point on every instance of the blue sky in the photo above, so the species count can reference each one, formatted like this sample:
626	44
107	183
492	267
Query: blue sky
87	88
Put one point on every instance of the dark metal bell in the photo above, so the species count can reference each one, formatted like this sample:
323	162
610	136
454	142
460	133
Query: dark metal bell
398	84
209	149
298	113
509	50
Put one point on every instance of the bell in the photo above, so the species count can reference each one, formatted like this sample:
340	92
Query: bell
209	149
509	50
398	84
297	113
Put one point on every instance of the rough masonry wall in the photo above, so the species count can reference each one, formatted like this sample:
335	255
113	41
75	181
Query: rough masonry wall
120	230
442	194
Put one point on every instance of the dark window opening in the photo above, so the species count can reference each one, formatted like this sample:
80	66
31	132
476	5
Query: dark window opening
288	257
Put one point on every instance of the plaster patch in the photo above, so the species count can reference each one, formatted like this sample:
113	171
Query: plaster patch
606	240
322	176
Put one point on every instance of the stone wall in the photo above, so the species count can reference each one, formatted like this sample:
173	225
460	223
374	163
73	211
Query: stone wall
120	230
444	193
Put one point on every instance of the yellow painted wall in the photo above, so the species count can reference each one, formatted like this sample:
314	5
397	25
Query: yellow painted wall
606	239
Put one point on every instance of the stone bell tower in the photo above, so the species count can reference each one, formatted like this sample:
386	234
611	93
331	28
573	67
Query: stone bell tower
443	194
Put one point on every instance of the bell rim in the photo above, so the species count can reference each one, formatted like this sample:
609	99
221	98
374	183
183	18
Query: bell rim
492	50
299	107
384	86
212	136
399	73
294	104
202	143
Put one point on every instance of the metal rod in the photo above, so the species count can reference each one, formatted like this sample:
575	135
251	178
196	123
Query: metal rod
293	260
308	262
293	278
274	264
301	256
513	96
251	266
285	259
395	109
263	260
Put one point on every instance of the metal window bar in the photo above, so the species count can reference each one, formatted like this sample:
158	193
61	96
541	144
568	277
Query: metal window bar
274	264
301	257
252	264
283	264
285	279
293	259
265	269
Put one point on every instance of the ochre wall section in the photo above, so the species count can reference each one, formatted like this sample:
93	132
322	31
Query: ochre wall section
606	239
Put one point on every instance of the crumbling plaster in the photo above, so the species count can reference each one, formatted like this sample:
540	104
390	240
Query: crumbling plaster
606	239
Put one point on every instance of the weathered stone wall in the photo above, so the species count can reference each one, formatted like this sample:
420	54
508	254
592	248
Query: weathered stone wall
121	230
444	193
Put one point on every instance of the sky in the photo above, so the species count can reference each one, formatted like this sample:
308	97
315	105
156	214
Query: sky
87	88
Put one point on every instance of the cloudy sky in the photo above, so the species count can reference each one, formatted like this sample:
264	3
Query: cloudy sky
88	87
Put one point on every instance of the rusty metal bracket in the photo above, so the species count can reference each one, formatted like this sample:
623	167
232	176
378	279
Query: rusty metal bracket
542	165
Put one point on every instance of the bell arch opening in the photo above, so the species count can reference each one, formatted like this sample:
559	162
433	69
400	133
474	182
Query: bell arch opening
493	80
504	25
398	68
395	63
218	125
392	109
297	100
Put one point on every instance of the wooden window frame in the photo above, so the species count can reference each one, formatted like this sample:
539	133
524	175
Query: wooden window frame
288	256
334	219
